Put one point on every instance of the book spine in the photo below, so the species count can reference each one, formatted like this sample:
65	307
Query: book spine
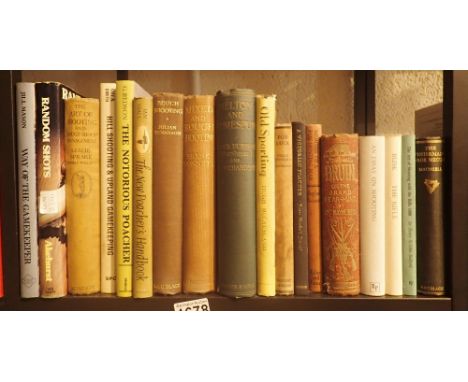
26	129
83	195
301	249
125	93
393	226
168	192
50	155
313	134
265	176
340	213
284	236
430	162
235	191
107	117
199	195
408	209
372	214
1	262
143	198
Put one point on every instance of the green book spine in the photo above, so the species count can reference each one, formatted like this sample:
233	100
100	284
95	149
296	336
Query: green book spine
235	189
408	204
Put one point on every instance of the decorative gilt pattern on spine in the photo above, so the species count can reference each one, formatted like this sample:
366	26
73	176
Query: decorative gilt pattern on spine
408	209
235	181
107	117
168	146
27	218
83	195
143	197
199	195
313	134
301	251
340	213
265	136
430	164
50	152
284	236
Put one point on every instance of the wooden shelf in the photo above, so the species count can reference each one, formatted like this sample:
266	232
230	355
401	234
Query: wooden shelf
217	302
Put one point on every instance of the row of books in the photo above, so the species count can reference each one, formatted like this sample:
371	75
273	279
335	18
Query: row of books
136	194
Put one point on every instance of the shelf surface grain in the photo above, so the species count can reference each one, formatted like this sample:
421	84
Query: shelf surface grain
217	302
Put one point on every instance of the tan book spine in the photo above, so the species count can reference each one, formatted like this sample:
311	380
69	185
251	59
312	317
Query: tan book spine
107	116
313	134
143	197
284	236
83	195
168	192
340	213
199	195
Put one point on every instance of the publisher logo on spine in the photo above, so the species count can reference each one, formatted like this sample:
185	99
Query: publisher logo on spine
81	184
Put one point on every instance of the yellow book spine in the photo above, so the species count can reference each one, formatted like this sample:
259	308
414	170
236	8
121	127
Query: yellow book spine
83	195
107	117
265	174
125	92
143	197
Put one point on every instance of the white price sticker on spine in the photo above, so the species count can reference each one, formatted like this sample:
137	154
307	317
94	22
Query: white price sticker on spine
200	305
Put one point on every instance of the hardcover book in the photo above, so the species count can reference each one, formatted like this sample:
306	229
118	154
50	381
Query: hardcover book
50	162
1	261
284	236
313	134
340	213
393	226
168	192
199	250
301	249
83	195
372	214
265	173
235	192
408	210
143	197
107	116
126	91
430	172
27	218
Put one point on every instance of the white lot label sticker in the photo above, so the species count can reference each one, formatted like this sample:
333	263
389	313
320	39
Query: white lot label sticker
201	305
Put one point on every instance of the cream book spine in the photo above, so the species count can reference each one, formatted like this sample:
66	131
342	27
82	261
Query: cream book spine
107	135
393	217
372	214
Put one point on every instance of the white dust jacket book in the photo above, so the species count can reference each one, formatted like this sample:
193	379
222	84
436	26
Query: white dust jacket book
393	223
372	214
26	126
107	136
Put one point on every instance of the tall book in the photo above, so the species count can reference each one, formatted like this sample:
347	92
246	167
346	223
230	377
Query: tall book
199	251
393	226
143	197
313	134
27	212
168	192
235	192
284	236
301	249
83	195
50	157
340	213
107	116
430	164
1	262
372	214
265	173
126	91
408	211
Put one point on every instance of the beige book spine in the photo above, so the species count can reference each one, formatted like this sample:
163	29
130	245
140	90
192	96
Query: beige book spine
107	128
83	195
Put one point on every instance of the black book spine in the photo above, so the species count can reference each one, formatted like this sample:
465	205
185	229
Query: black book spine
430	166
301	253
